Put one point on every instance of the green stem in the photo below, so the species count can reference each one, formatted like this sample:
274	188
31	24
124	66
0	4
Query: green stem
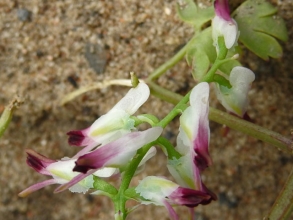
162	93
266	135
174	112
120	199
165	143
171	62
236	123
283	206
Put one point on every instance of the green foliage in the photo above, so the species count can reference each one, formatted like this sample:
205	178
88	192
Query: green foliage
201	54
190	13
259	27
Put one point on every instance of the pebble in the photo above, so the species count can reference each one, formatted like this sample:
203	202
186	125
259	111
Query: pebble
23	14
96	57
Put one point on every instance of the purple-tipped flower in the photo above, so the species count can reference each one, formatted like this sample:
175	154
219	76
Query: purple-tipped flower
235	99
115	154
61	173
193	141
113	125
223	25
160	191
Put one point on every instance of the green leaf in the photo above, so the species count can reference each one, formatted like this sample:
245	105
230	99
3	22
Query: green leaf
200	63
190	13
202	48
259	27
106	188
203	42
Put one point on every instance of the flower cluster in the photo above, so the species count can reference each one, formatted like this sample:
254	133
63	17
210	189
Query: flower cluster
109	144
113	141
192	144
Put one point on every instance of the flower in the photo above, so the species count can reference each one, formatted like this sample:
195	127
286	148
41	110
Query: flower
112	155
115	154
235	99
113	125
192	144
224	25
160	191
61	171
193	141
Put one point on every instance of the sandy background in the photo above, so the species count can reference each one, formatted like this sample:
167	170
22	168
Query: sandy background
51	48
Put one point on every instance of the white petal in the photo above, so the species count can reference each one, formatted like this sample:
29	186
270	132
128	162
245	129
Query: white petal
62	170
190	119
235	99
230	32
152	152
105	172
181	170
83	186
127	146
227	29
155	188
241	78
134	99
112	121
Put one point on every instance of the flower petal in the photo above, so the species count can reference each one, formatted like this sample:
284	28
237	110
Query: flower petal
235	100
155	189
79	138
189	197
224	25
117	153
134	99
74	181
36	187
222	9
194	125
38	161
173	215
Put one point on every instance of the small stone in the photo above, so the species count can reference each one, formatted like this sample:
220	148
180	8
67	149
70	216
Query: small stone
96	56
23	14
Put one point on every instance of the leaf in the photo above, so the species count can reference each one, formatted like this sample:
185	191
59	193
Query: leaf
200	63
259	27
189	12
202	49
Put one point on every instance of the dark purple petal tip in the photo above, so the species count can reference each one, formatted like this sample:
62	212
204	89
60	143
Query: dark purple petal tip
202	160
190	197
82	168
76	138
37	161
222	9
